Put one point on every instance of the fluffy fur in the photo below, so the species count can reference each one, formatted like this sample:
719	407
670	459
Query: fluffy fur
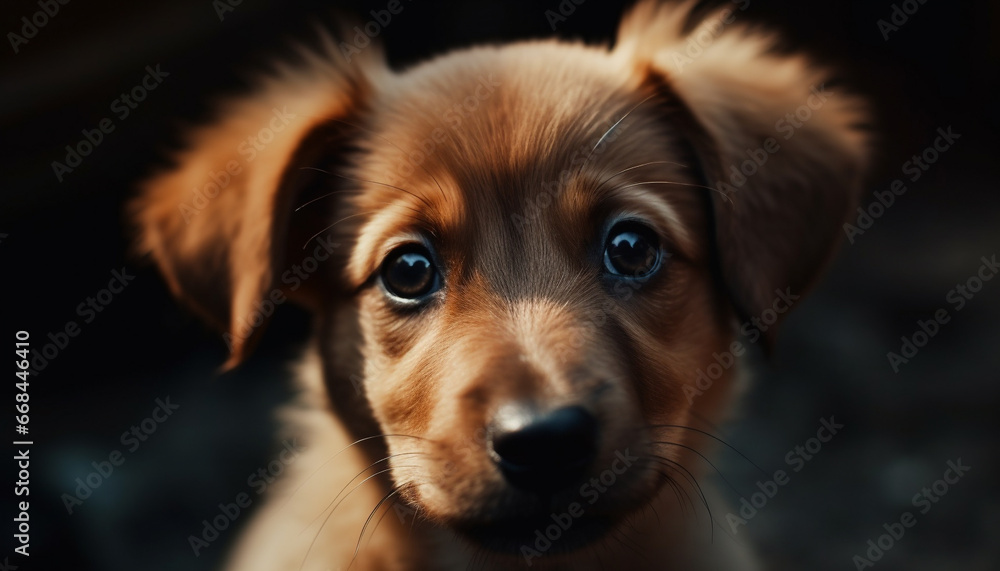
510	160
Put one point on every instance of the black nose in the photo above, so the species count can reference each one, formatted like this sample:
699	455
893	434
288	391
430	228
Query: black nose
544	452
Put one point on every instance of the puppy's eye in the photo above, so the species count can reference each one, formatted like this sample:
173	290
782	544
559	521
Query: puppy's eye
409	273
632	250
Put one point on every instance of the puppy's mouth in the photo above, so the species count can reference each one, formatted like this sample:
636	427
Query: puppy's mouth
542	534
553	524
561	490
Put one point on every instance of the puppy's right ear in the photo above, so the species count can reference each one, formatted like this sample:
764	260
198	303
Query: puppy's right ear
217	224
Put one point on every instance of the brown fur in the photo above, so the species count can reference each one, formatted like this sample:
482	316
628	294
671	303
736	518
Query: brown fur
523	314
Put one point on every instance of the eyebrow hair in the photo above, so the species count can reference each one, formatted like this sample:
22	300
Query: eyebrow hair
665	213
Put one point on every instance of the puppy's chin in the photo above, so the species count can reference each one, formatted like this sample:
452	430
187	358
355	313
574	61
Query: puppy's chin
562	523
551	533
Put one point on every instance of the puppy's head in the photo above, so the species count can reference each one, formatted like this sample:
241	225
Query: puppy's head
529	258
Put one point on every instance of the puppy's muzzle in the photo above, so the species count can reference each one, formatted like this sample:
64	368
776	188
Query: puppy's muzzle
543	452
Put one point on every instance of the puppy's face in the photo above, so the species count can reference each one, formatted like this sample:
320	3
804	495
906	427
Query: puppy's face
535	294
543	247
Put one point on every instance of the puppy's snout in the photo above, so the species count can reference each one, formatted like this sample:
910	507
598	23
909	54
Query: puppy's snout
543	452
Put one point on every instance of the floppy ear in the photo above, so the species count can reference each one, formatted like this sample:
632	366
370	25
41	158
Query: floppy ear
786	152
217	224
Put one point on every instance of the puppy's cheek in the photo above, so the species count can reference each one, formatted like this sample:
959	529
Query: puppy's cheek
401	394
388	335
669	330
704	363
451	474
456	481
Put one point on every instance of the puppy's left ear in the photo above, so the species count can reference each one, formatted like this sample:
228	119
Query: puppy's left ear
786	153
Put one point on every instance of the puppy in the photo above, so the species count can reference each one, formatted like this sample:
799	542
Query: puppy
522	261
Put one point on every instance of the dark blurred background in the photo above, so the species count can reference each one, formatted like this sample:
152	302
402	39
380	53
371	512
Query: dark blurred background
61	241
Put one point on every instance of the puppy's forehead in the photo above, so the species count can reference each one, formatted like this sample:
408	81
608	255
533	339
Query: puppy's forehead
520	110
504	151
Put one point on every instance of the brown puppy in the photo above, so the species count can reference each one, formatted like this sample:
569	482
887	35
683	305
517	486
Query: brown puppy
521	259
